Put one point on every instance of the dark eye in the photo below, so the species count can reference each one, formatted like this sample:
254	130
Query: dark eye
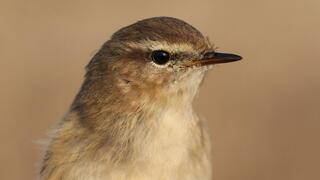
160	57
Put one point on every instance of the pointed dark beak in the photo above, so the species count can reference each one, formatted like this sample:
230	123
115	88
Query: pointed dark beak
216	58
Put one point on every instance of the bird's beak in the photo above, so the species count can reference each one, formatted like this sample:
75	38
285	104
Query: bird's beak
215	58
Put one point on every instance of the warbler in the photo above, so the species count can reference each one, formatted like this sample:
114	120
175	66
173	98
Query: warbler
133	117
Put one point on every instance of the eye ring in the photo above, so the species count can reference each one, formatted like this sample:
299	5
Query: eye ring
160	57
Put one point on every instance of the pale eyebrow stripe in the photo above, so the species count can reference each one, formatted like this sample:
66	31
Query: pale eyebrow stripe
162	45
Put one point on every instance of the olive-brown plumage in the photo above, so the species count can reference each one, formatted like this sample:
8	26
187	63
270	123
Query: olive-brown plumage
133	118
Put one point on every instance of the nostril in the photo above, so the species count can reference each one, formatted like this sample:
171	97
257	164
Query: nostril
209	55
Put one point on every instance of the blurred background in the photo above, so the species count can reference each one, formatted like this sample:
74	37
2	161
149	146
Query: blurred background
263	112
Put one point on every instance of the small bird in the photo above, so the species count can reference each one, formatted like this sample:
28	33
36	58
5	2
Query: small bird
133	117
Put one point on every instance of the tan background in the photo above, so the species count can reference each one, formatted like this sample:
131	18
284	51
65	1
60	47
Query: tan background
263	112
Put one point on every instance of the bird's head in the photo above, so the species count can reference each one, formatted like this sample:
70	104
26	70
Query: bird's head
159	55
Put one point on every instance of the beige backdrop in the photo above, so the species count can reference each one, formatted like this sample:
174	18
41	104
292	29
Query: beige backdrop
263	112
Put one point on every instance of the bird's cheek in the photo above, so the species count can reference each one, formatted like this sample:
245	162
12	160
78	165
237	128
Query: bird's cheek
124	85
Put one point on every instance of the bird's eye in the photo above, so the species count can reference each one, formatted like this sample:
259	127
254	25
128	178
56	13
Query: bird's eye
160	57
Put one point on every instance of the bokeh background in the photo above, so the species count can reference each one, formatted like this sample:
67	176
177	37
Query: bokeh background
263	112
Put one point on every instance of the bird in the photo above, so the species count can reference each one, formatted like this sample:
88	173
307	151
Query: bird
133	117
